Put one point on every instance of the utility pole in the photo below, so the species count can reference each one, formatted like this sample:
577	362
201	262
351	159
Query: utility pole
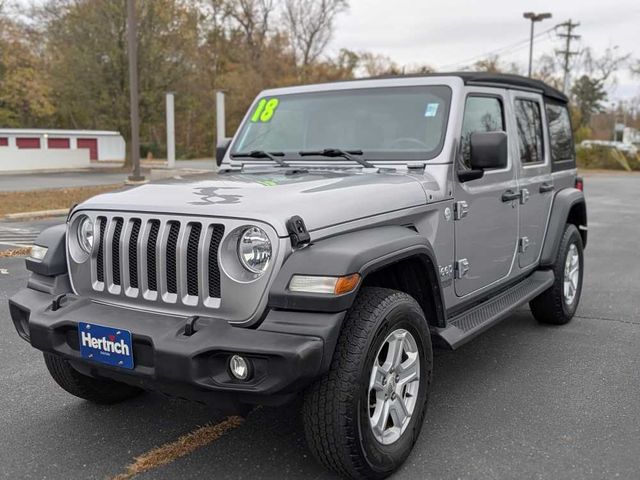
615	121
567	53
171	132
132	41
534	17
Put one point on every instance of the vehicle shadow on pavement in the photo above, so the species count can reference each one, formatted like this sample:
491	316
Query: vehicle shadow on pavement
271	443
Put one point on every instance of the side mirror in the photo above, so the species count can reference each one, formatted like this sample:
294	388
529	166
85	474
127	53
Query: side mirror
221	149
488	150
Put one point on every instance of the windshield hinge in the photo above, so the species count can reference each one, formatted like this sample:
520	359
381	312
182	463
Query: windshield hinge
416	165
298	232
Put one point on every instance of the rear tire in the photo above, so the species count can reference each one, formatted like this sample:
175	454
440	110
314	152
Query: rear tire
101	391
558	304
345	421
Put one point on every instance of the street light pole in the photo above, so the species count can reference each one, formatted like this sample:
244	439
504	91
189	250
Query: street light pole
133	90
534	17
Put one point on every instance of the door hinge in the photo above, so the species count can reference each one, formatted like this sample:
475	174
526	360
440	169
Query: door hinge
524	244
462	267
524	196
461	209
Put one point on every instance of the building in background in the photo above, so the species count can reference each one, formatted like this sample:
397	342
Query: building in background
631	135
42	149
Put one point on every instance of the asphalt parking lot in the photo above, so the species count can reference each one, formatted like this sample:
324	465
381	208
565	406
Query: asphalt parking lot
521	401
10	182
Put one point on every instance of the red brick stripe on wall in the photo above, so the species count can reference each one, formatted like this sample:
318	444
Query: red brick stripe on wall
58	143
24	142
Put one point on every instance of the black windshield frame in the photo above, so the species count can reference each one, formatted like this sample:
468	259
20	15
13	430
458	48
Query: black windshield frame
443	92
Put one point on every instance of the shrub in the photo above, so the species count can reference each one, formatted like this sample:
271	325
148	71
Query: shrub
606	158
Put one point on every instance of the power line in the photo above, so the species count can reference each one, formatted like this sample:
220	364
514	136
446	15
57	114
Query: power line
501	50
567	52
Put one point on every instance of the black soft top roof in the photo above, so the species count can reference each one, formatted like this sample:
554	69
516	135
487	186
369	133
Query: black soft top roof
514	81
502	80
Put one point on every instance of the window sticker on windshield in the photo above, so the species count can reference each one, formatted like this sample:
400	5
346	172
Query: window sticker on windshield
432	109
265	110
268	183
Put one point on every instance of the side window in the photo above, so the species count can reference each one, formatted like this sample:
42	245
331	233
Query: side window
529	124
481	114
560	132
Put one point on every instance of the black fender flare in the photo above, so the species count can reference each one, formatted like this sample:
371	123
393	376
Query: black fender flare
563	202
55	260
363	252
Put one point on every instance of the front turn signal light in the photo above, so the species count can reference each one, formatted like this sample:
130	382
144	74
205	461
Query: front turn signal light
326	285
347	284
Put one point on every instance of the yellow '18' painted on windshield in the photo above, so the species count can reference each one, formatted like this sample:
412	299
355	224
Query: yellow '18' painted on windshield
265	110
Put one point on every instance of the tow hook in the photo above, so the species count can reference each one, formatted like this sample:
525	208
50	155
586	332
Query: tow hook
190	326
56	303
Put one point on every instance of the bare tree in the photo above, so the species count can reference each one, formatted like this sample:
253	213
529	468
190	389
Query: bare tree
253	18
489	64
375	65
310	24
604	66
549	70
419	69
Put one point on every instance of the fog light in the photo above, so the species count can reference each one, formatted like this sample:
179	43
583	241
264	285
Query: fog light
239	367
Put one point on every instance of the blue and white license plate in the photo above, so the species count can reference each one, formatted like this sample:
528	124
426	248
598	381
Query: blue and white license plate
111	346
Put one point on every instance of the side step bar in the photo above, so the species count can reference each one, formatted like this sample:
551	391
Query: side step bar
464	327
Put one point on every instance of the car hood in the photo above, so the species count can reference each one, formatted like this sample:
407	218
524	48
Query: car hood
321	198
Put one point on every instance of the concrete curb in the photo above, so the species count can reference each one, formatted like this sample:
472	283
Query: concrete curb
37	214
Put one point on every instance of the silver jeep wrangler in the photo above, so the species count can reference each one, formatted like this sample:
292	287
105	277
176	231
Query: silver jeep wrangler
350	226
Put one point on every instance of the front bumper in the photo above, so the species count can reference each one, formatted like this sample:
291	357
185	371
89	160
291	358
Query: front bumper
288	350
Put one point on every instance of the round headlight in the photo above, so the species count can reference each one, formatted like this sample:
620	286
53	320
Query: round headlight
254	250
85	234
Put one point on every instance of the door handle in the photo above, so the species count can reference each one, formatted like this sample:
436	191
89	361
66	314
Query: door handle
510	195
546	187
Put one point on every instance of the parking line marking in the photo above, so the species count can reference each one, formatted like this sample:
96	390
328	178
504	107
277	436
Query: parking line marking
18	245
184	445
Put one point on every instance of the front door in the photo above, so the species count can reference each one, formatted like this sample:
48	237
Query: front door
486	226
535	180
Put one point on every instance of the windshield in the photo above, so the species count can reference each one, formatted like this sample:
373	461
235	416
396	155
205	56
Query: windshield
390	123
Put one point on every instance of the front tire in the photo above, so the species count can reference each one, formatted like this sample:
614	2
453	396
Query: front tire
363	417
558	304
101	391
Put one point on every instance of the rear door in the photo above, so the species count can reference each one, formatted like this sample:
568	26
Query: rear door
534	178
486	227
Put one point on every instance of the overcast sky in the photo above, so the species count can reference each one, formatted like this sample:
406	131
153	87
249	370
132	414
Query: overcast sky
454	33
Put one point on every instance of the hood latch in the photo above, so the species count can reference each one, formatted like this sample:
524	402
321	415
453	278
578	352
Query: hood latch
298	232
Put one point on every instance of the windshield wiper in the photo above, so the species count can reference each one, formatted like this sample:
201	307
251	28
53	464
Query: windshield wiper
273	156
336	152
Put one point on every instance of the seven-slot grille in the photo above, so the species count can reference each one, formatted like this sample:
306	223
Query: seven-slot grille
174	261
